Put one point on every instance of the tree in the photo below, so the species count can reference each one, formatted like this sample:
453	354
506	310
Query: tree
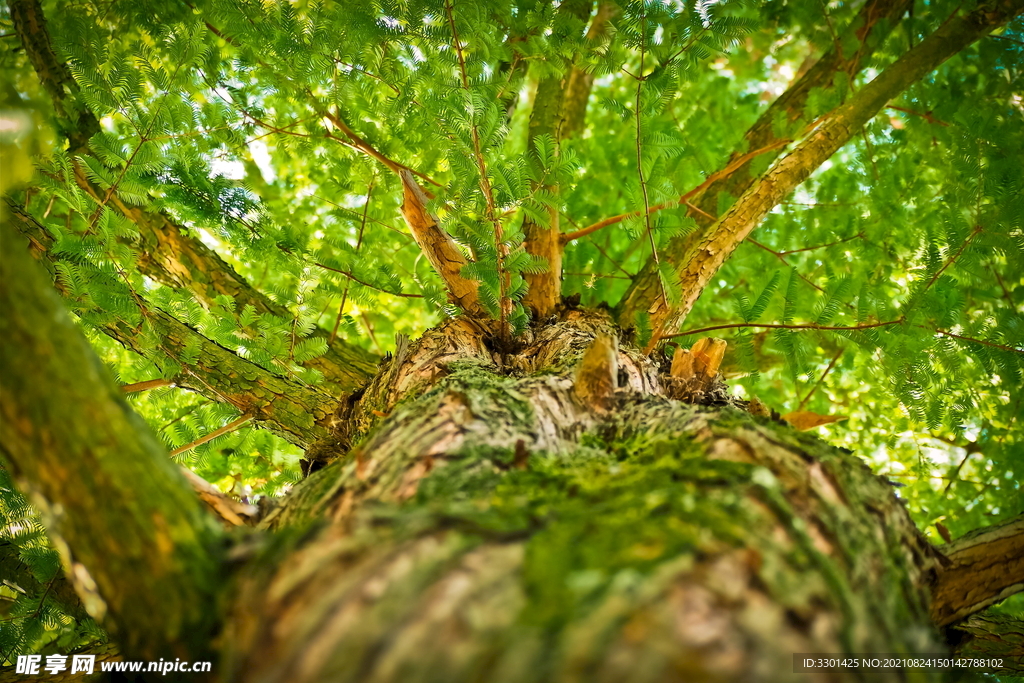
544	476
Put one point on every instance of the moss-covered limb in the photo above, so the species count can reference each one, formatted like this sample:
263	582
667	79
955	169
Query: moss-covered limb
991	635
93	466
296	411
779	122
673	544
982	568
704	258
559	109
167	251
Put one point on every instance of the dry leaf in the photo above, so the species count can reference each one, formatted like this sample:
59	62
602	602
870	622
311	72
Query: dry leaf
804	419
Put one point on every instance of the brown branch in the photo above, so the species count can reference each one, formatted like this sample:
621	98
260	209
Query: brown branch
970	238
438	246
780	326
147	385
232	426
232	512
821	380
782	258
872	23
833	130
983	342
167	253
927	116
671	204
859	235
982	568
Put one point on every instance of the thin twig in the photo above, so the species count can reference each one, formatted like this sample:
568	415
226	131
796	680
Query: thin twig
779	326
500	248
212	435
717	175
983	342
953	258
352	277
821	246
821	379
359	243
927	116
639	153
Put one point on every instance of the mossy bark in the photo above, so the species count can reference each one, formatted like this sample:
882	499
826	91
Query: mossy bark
483	522
134	539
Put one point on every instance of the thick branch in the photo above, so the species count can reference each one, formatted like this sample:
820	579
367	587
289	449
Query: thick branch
559	110
984	567
990	635
872	24
439	247
832	132
92	465
293	410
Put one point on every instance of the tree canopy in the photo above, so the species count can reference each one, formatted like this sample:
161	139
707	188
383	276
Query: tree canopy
247	205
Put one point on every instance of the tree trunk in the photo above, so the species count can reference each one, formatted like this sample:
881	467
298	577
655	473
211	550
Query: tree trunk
494	526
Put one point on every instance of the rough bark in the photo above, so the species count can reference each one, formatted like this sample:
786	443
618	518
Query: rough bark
830	133
132	535
168	253
780	122
534	513
981	569
496	524
991	635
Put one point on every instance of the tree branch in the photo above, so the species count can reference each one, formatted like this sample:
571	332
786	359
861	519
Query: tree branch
991	635
874	21
166	252
779	326
439	247
93	464
147	385
733	167
831	132
984	567
295	411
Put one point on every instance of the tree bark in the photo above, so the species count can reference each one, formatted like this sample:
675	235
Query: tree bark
133	537
500	524
541	512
